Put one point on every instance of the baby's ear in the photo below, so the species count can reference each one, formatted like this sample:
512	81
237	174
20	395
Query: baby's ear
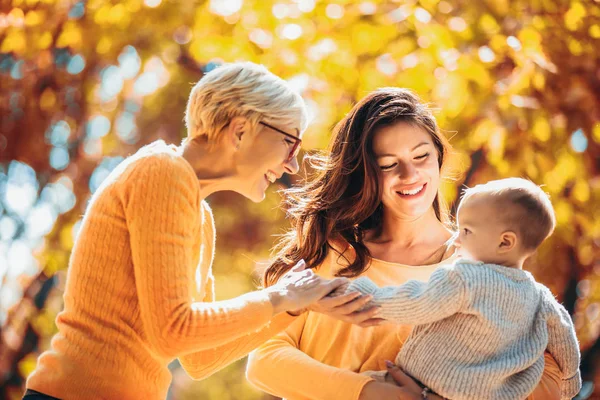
508	241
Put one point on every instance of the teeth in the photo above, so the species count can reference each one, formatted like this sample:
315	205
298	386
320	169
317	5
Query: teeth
412	192
271	176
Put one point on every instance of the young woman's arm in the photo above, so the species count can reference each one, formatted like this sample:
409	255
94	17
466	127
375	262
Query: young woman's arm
549	386
280	368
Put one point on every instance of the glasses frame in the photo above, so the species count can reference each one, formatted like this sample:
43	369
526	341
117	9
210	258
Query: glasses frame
297	141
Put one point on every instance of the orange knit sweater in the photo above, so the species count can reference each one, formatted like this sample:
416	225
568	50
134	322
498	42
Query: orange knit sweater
139	290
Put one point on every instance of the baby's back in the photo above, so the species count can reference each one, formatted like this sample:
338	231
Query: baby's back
493	348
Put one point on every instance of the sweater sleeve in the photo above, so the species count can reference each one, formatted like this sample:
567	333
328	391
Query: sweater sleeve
202	364
563	345
417	302
280	368
162	211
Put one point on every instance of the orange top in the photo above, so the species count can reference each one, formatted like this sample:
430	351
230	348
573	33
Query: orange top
318	357
138	277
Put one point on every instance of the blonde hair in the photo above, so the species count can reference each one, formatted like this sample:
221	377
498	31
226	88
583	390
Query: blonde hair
525	207
242	89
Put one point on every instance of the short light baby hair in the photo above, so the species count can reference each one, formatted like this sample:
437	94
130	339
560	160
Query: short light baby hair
242	89
523	205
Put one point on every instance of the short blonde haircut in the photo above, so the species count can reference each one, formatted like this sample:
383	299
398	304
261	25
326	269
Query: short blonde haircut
242	89
523	205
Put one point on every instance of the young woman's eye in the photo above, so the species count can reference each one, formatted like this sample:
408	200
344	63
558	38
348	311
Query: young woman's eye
466	231
386	167
289	141
422	156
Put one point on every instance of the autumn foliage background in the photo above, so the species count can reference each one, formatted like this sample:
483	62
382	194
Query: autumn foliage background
516	85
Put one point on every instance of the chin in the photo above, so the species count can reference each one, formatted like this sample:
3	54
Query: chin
256	197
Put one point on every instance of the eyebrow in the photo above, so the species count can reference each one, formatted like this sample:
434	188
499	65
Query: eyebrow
393	155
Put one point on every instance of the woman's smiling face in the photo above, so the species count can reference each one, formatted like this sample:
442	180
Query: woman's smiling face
410	172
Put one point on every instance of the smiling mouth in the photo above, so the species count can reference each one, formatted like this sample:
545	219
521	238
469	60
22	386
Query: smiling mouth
271	177
412	192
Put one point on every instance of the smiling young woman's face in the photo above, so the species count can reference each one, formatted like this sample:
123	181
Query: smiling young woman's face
410	173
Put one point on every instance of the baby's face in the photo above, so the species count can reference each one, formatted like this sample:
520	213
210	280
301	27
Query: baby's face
480	230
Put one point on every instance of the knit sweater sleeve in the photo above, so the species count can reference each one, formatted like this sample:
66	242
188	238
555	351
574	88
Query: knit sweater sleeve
417	302
563	345
202	364
162	210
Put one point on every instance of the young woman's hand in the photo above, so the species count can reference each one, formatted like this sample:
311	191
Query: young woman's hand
346	308
379	390
299	288
407	388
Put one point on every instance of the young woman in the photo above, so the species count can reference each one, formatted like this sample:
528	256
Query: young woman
139	291
375	210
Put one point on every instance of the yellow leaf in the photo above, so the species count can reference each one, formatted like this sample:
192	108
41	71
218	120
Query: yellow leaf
133	5
33	18
538	80
70	36
581	191
14	42
104	45
47	100
27	364
44	41
575	47
488	24
595	31
574	16
117	12
541	129
585	254
596	132
530	39
563	211
16	14
102	15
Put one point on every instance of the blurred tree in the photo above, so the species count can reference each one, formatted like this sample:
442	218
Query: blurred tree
85	83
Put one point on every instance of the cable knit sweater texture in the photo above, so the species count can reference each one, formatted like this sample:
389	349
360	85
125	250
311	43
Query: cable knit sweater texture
481	331
140	290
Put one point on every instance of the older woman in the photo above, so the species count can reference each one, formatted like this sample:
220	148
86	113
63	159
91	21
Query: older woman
139	291
375	210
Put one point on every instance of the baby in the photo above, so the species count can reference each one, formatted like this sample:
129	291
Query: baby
482	324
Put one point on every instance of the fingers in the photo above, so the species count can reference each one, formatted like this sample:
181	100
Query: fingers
334	284
355	305
372	322
333	302
359	317
401	378
300	265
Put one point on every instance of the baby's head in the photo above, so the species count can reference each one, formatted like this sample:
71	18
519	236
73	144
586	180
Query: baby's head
504	221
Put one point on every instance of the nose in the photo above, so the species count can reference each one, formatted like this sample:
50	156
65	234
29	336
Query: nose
291	166
457	241
408	172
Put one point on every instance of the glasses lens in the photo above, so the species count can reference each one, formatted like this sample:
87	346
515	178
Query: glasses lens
295	151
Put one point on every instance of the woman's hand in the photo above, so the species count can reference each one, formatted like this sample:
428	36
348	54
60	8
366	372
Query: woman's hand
346	308
408	387
378	391
299	288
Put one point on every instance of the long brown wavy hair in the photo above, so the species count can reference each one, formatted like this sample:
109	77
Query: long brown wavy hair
343	201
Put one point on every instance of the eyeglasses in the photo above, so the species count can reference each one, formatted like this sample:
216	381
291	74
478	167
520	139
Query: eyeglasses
295	148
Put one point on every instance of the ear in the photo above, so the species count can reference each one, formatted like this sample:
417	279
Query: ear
235	131
508	241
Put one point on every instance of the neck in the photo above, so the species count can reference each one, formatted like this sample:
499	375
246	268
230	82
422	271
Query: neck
212	164
404	232
512	262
